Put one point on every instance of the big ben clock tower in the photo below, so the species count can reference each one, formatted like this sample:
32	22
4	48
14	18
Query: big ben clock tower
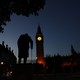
39	47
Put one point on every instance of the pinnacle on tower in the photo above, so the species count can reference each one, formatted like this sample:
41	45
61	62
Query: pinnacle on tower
39	30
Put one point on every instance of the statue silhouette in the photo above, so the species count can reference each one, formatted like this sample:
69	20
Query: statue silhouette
24	42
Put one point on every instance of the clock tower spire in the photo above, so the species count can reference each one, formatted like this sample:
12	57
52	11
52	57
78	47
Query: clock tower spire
39	46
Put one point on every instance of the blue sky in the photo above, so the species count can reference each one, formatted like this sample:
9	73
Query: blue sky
60	24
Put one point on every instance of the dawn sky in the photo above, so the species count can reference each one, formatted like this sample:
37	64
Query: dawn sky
60	24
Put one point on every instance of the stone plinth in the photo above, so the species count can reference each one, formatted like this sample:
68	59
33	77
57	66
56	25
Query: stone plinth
23	72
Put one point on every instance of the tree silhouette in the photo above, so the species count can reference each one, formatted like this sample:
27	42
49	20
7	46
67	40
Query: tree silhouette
19	7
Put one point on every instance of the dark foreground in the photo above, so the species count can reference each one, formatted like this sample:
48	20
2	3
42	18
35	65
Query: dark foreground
46	77
57	76
29	72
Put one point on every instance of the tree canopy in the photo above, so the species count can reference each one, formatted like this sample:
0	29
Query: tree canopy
19	7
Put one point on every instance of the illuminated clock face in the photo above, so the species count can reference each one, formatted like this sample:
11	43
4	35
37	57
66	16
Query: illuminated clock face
39	38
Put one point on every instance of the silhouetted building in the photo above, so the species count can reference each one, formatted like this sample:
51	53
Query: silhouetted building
40	46
7	61
58	63
6	55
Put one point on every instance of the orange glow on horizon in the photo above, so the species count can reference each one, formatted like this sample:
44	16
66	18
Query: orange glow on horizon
41	61
68	64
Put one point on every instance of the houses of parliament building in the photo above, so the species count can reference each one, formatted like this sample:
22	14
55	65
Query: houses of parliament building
7	56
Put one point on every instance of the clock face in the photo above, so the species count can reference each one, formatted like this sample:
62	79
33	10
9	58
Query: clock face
39	38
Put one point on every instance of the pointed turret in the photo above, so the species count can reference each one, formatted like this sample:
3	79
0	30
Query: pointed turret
39	30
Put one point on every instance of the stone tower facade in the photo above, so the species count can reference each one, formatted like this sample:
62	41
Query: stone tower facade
39	46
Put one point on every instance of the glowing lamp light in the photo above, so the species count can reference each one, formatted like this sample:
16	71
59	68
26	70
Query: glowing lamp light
11	72
41	62
2	63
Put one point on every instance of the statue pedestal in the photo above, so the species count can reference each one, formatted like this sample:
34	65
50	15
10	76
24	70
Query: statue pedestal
23	71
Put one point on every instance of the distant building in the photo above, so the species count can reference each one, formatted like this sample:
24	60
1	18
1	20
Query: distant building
58	63
39	46
7	56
